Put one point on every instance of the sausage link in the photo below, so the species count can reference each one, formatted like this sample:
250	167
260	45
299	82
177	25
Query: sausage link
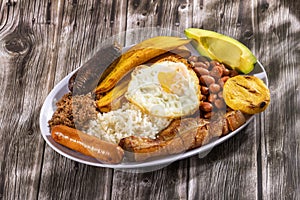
86	144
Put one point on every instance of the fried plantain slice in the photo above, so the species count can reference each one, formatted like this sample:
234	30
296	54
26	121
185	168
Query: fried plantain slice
113	95
137	55
246	93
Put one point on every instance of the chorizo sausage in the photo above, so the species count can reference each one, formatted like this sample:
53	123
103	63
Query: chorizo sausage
86	144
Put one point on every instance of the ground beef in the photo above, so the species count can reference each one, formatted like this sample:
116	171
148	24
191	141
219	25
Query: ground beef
74	111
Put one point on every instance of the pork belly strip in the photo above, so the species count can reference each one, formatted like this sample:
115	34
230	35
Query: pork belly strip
182	132
180	136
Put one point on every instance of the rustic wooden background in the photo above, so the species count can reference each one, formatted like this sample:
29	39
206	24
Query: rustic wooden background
43	41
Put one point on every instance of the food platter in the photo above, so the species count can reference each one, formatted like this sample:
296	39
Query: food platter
61	88
49	107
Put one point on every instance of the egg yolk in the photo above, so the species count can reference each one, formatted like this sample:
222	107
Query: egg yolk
166	80
169	81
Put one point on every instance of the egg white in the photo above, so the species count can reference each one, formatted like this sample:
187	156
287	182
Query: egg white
165	89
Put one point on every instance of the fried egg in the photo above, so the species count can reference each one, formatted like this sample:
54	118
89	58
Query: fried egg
165	89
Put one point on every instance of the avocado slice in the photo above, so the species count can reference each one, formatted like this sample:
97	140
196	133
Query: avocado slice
222	48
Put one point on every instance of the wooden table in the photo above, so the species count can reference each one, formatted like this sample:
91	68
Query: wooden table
43	41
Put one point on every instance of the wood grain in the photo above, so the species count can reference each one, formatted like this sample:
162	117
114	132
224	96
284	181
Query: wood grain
23	58
158	17
231	166
80	28
43	41
229	171
278	30
165	183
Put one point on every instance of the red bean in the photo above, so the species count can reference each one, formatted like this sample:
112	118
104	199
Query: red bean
193	59
216	72
226	72
207	64
201	71
205	106
233	73
214	88
220	94
223	80
204	90
222	66
200	64
228	109
207	80
219	103
211	98
202	59
208	115
214	63
203	97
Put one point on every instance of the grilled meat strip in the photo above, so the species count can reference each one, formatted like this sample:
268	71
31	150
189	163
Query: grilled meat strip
181	135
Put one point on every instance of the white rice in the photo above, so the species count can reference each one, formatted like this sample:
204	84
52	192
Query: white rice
126	121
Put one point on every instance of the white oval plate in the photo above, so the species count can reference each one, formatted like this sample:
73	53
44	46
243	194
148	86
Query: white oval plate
61	88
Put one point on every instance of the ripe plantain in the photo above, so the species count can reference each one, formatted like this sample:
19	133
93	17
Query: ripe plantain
112	98
248	94
137	55
104	104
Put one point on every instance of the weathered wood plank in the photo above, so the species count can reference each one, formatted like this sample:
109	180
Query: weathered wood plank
167	183
66	179
278	37
23	57
230	170
42	41
79	28
174	15
164	17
